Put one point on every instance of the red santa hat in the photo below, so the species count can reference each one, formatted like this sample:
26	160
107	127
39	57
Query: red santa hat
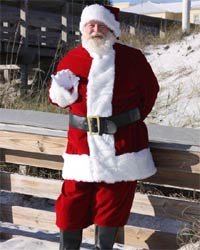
105	14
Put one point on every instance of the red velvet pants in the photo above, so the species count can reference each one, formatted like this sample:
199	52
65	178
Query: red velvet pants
82	204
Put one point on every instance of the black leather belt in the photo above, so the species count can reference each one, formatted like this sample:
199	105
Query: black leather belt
104	125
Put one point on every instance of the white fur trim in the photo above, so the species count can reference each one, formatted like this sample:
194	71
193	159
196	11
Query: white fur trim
101	14
126	167
99	102
61	96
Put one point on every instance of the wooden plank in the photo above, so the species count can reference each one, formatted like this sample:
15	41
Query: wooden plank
33	143
45	19
152	239
33	159
176	168
154	205
28	217
176	179
176	160
29	185
158	134
9	67
173	135
24	216
37	18
45	220
34	119
151	205
9	13
33	130
183	138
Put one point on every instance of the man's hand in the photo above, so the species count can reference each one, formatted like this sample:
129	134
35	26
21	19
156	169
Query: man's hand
66	79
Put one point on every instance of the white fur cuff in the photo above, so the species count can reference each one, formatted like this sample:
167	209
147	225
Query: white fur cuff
61	96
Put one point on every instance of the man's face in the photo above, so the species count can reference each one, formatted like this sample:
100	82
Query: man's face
96	29
97	38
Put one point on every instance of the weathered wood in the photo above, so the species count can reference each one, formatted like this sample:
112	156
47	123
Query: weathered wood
177	160
168	207
34	119
31	17
176	179
175	152
33	130
45	220
33	159
152	205
28	217
33	143
29	185
168	137
175	168
180	136
9	14
8	70
9	67
38	19
149	238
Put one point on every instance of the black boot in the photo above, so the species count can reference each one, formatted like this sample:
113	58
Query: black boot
70	239
105	237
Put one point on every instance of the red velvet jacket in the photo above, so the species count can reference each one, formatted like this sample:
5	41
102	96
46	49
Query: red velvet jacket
135	85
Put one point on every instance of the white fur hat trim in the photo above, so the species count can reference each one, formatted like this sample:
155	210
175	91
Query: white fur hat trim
99	13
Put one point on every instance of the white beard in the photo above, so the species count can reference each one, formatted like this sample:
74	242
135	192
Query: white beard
100	46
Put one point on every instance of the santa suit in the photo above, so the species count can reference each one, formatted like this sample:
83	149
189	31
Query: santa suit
117	82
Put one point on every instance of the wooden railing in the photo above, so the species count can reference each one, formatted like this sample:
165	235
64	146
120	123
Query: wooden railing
38	139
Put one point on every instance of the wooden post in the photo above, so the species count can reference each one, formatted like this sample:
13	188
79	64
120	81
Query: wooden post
133	25
139	24
163	28
23	169
24	34
64	24
186	16
1	30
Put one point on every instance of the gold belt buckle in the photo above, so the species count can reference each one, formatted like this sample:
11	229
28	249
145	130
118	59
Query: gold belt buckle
89	118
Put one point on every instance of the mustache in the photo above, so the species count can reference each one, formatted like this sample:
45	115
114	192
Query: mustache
96	35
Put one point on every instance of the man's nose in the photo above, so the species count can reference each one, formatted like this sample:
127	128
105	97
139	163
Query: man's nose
96	28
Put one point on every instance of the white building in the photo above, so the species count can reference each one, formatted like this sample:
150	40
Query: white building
163	10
